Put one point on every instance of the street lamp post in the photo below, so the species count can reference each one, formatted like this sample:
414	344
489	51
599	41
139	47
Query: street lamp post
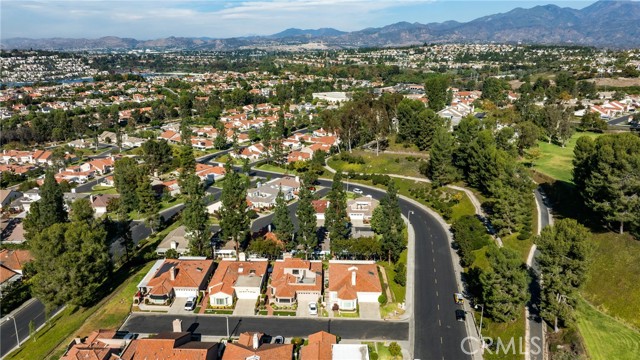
409	216
481	317
15	325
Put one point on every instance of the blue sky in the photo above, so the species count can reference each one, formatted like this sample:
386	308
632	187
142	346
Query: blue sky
149	19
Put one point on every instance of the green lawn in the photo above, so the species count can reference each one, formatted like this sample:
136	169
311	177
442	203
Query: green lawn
614	276
399	291
381	164
556	161
111	190
393	146
505	332
604	337
273	168
109	313
521	246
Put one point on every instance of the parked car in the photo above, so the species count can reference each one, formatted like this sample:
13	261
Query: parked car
313	308
458	298
460	315
278	339
357	191
190	304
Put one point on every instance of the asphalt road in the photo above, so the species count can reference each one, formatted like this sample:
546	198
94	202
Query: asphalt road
289	327
536	325
622	120
437	333
33	310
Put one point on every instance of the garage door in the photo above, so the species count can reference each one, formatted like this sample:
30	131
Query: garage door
308	296
184	293
247	294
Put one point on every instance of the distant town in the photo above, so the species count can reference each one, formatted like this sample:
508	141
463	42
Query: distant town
379	203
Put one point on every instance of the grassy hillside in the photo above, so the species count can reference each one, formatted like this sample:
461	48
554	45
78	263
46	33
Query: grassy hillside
556	161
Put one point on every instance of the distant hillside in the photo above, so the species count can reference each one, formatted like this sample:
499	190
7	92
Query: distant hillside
613	24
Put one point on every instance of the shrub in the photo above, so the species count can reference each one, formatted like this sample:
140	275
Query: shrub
401	274
395	349
382	299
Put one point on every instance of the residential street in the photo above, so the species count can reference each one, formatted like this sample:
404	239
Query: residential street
288	327
32	310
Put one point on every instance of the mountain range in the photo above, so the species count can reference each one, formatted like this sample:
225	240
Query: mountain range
609	24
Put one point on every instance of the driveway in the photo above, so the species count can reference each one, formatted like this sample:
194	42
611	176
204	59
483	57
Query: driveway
369	310
303	309
178	306
245	307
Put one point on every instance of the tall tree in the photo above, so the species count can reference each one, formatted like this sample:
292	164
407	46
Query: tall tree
565	251
48	210
195	217
307	221
127	174
607	174
71	262
336	220
391	225
149	206
234	219
81	211
281	220
440	168
505	286
437	90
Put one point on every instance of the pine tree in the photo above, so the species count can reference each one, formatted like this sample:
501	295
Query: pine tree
234	219
195	217
81	211
48	210
391	225
440	169
565	251
336	216
505	287
126	176
307	221
281	220
149	206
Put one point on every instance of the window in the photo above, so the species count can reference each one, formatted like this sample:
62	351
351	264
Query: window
220	301
295	271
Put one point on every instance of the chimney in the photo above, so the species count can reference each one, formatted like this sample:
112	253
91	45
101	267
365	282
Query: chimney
174	245
177	325
172	272
242	257
77	340
256	341
353	278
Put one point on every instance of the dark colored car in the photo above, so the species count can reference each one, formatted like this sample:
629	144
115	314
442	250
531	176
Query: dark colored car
460	315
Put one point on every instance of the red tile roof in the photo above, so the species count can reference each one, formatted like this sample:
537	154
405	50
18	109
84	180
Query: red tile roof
340	279
228	272
244	349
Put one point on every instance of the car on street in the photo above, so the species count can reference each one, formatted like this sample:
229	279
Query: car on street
278	339
357	191
313	308
190	304
458	298
460	315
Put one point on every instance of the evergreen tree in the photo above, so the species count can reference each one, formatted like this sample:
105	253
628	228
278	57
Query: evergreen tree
48	210
440	167
307	232
336	220
565	250
437	90
124	230
607	173
195	217
392	241
127	174
71	262
505	286
281	220
149	206
81	211
234	218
